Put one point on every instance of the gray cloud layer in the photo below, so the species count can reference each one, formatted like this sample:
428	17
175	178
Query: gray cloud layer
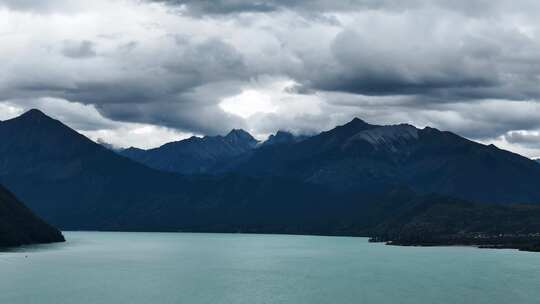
468	66
474	8
79	49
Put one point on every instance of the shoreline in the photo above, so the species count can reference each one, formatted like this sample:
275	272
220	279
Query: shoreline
528	245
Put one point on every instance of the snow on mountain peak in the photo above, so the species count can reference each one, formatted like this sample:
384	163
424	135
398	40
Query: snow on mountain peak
387	136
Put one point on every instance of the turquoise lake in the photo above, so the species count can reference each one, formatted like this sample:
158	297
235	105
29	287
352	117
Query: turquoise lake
192	268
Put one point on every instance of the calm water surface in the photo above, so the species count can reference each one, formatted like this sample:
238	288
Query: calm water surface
155	268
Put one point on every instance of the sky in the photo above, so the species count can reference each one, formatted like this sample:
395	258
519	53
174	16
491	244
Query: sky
142	72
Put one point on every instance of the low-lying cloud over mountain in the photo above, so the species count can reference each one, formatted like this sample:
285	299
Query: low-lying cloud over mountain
176	68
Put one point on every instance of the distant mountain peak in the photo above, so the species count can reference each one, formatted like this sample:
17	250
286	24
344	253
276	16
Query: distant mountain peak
388	136
34	111
281	133
283	137
39	121
34	114
238	132
357	120
132	149
195	155
349	129
239	135
356	123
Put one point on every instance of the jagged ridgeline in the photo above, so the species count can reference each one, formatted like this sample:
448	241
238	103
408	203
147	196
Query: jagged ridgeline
342	181
195	154
361	157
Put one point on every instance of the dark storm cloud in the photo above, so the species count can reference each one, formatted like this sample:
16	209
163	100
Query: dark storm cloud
179	90
193	110
79	49
224	7
210	60
413	55
475	8
461	68
299	89
179	93
374	66
472	67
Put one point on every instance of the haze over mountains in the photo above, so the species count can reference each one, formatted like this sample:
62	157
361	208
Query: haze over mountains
345	181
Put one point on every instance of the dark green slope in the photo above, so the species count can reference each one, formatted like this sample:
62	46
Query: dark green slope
342	182
69	180
75	183
19	226
434	220
363	157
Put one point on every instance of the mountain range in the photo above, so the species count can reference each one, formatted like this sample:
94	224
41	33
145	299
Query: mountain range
77	184
194	155
208	154
363	157
68	179
283	137
351	180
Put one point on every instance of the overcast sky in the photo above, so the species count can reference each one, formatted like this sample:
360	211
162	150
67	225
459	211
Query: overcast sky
141	73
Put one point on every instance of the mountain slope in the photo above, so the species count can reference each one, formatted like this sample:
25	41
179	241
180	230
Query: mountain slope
282	137
69	180
441	221
77	184
19	226
363	157
195	154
